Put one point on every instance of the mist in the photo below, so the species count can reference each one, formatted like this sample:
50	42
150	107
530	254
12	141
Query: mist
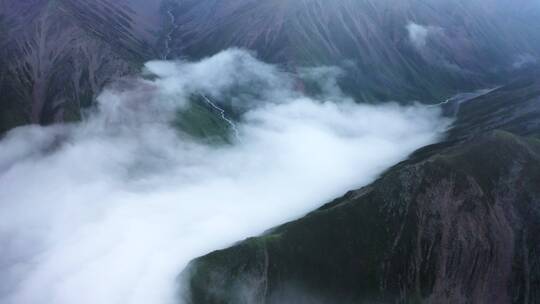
419	35
111	209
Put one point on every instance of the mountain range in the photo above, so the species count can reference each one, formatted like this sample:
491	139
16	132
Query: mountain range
56	56
457	222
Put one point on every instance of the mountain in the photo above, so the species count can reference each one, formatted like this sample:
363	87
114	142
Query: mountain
57	55
391	50
456	223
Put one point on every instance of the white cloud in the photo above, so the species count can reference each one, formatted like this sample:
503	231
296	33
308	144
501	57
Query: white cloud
524	60
110	210
419	34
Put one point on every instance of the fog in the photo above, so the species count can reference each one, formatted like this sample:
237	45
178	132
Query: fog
524	60
110	210
420	34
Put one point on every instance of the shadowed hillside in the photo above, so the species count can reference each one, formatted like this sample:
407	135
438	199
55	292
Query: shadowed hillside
400	50
58	55
456	223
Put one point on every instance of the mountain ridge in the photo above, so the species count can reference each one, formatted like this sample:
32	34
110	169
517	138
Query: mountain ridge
411	51
452	224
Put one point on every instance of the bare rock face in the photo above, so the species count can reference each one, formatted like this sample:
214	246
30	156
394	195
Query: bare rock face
459	222
57	55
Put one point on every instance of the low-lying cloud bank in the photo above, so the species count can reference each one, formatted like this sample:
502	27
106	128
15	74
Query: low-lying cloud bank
111	209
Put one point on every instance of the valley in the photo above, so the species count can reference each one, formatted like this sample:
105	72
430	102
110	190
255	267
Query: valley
269	152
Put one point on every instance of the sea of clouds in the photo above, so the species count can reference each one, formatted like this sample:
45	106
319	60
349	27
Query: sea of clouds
111	209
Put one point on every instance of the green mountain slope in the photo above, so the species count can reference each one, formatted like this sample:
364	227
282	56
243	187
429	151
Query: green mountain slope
456	223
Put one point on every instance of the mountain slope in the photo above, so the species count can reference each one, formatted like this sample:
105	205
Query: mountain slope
399	50
456	223
58	55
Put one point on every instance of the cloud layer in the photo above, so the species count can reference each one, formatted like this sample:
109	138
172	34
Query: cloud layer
111	209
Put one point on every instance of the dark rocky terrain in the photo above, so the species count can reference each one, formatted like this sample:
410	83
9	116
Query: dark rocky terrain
400	50
456	223
56	55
